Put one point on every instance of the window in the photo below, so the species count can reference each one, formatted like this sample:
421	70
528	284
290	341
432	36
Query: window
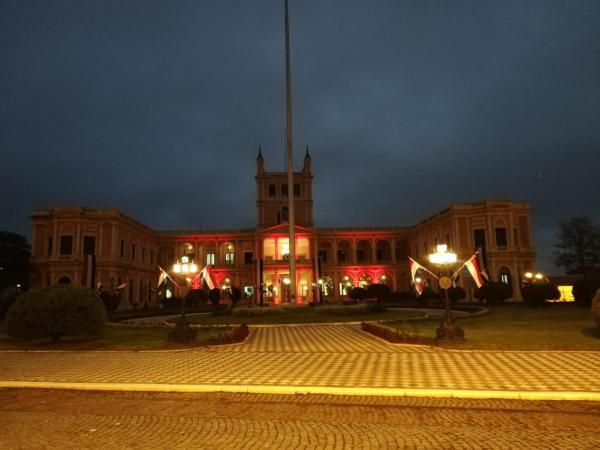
89	245
210	259
64	280
66	245
285	214
143	254
296	190
122	251
501	240
49	245
248	257
229	258
323	255
151	256
504	276
379	252
341	254
284	190
360	254
133	251
271	190
278	218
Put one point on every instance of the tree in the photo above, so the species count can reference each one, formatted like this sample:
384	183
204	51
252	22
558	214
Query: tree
456	293
236	294
379	291
578	246
357	294
195	296
14	259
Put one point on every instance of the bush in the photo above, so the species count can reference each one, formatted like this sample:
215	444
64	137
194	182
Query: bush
494	292
56	311
236	294
403	296
214	295
584	291
456	293
237	334
536	294
379	291
8	295
391	335
357	294
183	333
251	311
111	301
194	297
344	310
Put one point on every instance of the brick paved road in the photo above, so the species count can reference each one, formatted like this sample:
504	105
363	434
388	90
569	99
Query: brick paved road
74	419
323	356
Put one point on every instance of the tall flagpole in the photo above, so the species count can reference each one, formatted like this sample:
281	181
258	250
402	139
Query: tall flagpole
290	159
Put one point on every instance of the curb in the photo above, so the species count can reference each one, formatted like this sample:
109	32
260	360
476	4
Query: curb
319	390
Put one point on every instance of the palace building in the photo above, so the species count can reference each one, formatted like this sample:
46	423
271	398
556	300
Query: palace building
328	260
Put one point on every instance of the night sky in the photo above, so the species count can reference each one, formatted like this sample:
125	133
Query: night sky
158	107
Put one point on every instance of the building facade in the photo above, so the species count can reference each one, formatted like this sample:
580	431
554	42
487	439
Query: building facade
328	259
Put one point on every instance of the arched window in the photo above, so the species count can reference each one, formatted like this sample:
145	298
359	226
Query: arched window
285	216
284	190
271	190
64	280
297	190
505	276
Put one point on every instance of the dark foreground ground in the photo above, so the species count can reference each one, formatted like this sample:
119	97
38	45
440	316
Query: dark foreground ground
76	419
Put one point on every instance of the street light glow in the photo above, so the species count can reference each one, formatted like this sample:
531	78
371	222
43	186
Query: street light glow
442	255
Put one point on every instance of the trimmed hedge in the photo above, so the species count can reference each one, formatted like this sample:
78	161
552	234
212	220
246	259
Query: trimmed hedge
56	311
235	335
394	336
344	310
251	311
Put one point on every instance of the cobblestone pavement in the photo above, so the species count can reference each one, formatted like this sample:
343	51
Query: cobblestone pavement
75	419
322	356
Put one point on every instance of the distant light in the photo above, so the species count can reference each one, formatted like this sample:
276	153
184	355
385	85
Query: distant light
320	280
528	275
184	259
177	268
539	276
383	277
418	279
286	280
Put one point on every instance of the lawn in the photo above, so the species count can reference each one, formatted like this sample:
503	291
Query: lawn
113	338
302	314
563	327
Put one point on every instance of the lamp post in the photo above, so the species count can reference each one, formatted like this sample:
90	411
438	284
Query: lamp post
445	259
185	267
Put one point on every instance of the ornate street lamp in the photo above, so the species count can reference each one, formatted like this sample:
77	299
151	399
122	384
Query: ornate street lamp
185	268
445	259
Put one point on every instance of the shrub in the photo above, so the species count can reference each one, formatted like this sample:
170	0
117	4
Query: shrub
214	295
344	310
357	294
596	307
111	301
429	294
195	296
379	291
236	294
236	334
494	292
251	311
456	293
536	294
391	335
183	333
403	296
56	311
8	295
584	291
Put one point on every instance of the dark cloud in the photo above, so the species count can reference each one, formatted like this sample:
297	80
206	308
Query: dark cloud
157	108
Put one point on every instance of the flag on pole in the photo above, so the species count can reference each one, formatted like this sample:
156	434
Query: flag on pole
414	266
472	266
207	276
163	276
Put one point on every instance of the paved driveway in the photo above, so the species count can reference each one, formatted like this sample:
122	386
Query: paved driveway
315	356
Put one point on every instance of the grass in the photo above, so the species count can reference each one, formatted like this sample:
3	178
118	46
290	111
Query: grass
112	338
304	314
517	327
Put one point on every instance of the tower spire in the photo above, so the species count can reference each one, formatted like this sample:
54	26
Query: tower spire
290	159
